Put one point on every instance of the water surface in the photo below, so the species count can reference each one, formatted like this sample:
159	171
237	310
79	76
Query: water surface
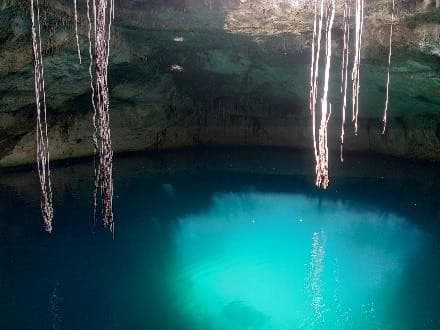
228	239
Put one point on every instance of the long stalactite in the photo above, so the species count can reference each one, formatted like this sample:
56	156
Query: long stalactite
43	157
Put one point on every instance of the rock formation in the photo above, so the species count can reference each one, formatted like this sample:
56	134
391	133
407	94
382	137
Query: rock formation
218	72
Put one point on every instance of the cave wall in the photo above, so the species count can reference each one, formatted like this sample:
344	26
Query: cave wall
217	72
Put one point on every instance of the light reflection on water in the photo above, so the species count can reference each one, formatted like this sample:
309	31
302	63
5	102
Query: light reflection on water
197	249
268	261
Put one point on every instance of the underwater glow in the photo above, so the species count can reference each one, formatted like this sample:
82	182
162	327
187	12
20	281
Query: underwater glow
307	263
236	251
385	114
315	277
41	135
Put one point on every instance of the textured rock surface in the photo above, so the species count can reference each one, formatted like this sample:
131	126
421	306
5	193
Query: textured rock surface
188	72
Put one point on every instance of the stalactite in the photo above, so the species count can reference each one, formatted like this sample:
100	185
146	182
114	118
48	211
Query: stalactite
359	26
385	114
41	134
76	31
344	70
99	48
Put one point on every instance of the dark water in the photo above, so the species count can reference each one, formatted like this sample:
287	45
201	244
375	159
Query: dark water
227	239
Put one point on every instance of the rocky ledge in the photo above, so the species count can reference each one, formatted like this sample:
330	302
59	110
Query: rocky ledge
217	72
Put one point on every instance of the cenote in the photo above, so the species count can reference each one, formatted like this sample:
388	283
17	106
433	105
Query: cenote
225	239
219	164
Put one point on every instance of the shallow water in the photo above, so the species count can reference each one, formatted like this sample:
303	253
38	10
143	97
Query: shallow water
228	239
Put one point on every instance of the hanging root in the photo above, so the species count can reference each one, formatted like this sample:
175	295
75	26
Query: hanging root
321	147
41	134
385	114
99	47
344	70
359	26
313	75
76	31
314	72
322	179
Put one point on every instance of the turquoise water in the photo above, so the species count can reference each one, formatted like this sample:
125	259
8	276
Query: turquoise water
225	240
